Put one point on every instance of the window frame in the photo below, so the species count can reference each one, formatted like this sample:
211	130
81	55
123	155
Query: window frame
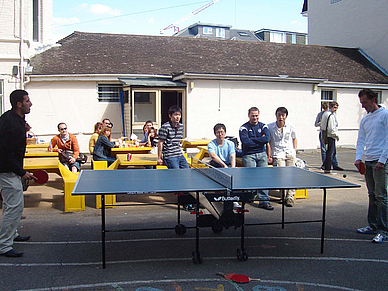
109	99
207	30
220	32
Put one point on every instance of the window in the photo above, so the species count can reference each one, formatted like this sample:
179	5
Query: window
327	95
109	92
35	20
220	32
243	33
293	36
277	37
144	107
207	30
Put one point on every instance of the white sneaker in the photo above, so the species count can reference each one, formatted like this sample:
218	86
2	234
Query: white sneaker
236	206
379	238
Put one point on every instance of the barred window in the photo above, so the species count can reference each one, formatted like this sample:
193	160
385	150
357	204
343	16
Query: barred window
109	92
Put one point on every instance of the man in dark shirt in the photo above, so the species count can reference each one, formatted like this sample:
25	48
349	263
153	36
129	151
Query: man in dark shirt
254	136
13	128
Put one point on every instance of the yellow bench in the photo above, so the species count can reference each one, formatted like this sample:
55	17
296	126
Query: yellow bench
52	164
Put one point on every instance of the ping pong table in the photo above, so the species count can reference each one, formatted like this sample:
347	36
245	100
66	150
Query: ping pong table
226	185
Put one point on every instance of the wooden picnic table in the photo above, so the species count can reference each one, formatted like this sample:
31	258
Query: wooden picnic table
37	152
130	149
137	160
193	143
38	145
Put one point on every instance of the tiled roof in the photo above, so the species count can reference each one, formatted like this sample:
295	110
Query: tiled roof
100	53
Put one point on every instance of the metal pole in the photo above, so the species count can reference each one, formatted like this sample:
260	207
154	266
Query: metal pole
21	52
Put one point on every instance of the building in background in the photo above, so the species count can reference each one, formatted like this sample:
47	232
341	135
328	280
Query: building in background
350	23
133	78
226	32
19	42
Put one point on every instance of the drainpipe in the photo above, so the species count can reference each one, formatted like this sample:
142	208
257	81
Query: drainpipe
21	65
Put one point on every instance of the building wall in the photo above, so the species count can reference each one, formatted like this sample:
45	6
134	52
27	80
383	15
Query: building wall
208	103
74	103
211	102
351	23
10	40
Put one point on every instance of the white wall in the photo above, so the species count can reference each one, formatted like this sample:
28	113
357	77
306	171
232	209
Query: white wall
74	103
351	23
302	102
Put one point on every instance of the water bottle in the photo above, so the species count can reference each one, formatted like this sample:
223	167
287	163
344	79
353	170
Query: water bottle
37	140
50	147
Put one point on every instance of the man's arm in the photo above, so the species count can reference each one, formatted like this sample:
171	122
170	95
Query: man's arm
269	156
160	148
295	144
215	158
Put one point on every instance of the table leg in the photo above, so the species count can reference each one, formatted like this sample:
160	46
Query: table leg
283	201
323	220
103	230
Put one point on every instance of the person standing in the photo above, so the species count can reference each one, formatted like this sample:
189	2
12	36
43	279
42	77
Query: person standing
254	136
329	123
373	143
281	150
325	107
13	128
170	135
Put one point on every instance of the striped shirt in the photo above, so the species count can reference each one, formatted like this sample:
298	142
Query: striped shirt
172	137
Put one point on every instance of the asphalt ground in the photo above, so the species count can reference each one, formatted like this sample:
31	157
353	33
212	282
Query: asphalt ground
64	252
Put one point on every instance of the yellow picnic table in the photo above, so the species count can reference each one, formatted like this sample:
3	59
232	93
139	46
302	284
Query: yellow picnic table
38	145
52	164
193	143
130	149
39	152
137	160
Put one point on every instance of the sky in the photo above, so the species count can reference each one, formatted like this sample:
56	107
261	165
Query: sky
149	17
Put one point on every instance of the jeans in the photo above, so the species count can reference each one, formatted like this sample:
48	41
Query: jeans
334	162
176	162
258	160
376	182
329	154
289	161
13	204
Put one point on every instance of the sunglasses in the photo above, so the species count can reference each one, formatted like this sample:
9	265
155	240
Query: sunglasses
64	128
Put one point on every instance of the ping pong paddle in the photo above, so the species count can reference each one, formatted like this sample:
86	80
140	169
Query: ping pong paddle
361	168
41	176
237	277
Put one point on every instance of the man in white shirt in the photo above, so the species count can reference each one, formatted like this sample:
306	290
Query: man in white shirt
373	143
330	124
282	146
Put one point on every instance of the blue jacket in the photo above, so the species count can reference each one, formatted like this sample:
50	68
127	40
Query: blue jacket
254	138
102	147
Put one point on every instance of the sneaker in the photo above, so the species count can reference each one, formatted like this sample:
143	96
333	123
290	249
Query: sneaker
266	206
327	171
379	238
289	202
236	206
366	230
337	168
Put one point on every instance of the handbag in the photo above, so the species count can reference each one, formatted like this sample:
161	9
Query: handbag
324	137
65	156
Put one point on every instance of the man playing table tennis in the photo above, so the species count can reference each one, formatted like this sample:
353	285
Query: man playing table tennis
373	143
281	150
254	136
170	135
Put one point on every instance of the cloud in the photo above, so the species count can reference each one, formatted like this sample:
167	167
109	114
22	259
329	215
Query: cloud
99	9
151	20
65	21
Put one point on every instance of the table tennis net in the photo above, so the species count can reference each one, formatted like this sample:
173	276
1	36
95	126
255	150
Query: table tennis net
213	173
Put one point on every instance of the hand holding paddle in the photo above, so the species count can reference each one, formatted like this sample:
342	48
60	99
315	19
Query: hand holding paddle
40	176
237	277
360	166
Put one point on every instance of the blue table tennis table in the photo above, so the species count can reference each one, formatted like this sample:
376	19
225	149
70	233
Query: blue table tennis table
226	184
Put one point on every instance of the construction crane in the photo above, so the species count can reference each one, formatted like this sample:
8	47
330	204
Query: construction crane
176	23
